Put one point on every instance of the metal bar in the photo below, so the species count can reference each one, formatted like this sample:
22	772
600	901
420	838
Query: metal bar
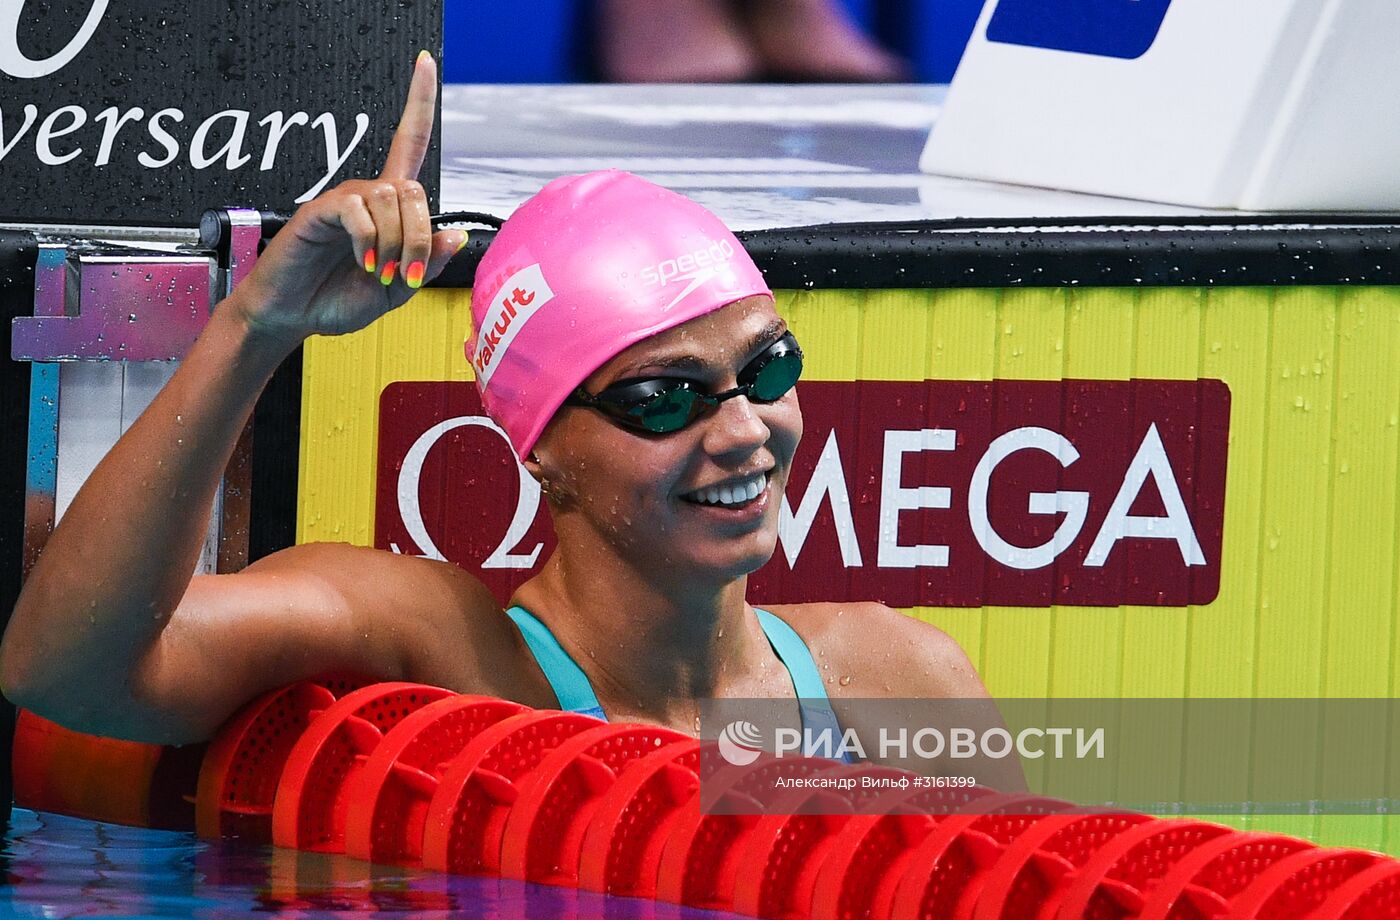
130	307
41	463
41	466
178	235
245	232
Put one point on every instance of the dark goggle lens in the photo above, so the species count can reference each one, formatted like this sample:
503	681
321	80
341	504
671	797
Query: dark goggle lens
666	412
680	402
776	377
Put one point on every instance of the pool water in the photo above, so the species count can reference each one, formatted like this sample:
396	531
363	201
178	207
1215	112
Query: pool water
68	867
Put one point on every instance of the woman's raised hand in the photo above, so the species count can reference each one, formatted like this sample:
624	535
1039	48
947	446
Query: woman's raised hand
359	250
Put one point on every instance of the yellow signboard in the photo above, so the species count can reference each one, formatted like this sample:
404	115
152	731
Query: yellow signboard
1308	564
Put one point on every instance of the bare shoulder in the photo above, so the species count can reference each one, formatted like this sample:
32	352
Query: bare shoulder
445	625
309	610
883	652
366	579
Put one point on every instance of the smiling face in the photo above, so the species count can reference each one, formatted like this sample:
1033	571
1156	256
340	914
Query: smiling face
699	501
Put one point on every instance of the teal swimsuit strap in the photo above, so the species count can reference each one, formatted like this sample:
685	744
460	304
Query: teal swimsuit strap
576	694
818	718
570	684
794	654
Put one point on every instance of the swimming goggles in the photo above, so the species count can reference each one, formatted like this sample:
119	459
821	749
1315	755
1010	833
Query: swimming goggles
661	405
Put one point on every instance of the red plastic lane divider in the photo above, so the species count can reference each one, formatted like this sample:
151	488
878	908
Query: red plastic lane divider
1372	894
243	765
1201	883
103	779
1111	884
312	798
621	849
467	814
963	845
786	853
1296	884
740	789
476	785
868	855
1018	884
543	836
699	863
388	802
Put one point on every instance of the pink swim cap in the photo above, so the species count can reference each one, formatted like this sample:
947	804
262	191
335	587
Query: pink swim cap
588	266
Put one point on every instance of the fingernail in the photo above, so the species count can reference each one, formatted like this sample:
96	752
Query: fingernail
370	261
422	54
462	245
386	277
414	273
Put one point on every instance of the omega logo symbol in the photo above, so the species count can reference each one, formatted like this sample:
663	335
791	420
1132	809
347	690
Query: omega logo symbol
503	557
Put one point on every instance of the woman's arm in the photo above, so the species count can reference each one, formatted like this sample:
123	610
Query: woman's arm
109	634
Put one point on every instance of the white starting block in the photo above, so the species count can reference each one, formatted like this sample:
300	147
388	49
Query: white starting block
1251	104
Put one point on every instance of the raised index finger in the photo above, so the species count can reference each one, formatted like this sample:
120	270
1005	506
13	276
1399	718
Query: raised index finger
415	129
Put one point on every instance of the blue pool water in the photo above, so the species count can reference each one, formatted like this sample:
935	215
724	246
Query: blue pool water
68	867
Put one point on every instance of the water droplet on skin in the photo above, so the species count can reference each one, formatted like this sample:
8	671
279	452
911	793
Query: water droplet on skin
845	680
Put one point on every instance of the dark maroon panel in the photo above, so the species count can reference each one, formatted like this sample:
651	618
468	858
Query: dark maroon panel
949	493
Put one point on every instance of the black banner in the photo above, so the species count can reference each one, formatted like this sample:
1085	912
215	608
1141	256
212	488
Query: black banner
149	111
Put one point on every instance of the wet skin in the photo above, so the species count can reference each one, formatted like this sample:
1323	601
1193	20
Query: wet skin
633	492
646	590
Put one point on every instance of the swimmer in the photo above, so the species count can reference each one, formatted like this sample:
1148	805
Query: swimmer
660	423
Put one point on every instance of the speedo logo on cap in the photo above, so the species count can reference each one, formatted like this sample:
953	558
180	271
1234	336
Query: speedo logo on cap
695	267
518	299
687	266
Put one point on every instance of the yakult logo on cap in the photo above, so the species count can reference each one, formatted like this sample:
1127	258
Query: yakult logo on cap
518	299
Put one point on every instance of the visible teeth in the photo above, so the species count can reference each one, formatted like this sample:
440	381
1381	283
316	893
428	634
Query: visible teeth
733	494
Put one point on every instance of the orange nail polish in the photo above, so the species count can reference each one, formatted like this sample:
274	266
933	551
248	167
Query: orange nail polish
414	273
370	261
386	277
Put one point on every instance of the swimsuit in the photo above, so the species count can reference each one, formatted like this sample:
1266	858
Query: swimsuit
576	694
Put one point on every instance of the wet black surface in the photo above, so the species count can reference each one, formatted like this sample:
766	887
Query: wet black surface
222	67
